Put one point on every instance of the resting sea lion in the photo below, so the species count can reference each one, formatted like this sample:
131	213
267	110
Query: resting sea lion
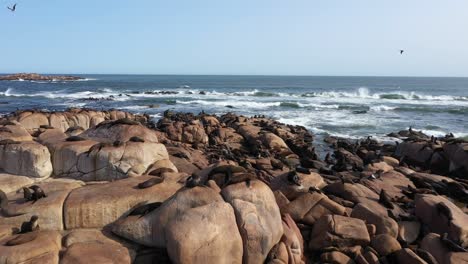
385	199
21	239
31	225
151	182
5	129
74	139
302	170
38	193
443	209
451	244
293	178
27	194
144	208
136	139
193	181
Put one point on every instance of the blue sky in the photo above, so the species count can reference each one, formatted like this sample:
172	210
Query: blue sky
285	37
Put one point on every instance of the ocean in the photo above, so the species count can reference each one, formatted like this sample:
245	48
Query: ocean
353	107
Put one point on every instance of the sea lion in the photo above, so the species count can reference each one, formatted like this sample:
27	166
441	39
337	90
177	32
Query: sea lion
27	194
151	182
302	170
313	189
226	169
3	200
46	127
8	142
31	225
21	239
293	178
136	139
193	181
144	208
451	244
443	209
38	193
117	143
124	121
385	199
74	139
5	129
426	256
240	177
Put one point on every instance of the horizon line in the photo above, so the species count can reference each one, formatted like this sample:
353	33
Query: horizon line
253	75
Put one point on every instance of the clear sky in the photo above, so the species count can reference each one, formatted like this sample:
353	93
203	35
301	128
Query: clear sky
284	37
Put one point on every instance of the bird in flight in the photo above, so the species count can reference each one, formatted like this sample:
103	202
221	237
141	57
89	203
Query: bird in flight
12	9
401	51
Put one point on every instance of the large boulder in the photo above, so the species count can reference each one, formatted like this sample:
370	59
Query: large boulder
14	131
292	191
385	244
120	130
49	209
150	229
10	183
374	214
90	161
95	206
26	158
338	231
458	157
351	192
205	234
414	152
392	182
96	252
432	244
258	218
43	249
309	207
442	216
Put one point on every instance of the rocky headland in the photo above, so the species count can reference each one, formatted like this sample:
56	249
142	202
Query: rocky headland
37	77
86	186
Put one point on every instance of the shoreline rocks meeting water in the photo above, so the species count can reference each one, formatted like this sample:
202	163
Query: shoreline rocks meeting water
88	186
37	77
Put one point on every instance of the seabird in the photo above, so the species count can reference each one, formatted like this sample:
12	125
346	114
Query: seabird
12	9
401	51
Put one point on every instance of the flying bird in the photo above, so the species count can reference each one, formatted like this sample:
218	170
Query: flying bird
401	51
12	9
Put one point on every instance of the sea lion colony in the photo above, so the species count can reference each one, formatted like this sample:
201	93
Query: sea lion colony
113	186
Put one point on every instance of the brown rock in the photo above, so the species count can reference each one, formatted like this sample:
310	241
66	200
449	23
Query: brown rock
408	231
335	257
338	231
96	252
27	159
385	244
258	218
407	256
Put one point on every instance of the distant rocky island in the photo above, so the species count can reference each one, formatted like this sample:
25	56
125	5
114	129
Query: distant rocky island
37	77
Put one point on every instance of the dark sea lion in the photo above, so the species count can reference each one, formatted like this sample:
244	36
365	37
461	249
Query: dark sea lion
144	208
8	142
5	129
293	178
313	189
27	194
124	121
31	225
426	256
392	215
21	239
385	199
3	200
74	139
240	177
225	169
73	128
193	181
117	143
136	139
46	127
451	244
302	170
443	209
38	193
151	182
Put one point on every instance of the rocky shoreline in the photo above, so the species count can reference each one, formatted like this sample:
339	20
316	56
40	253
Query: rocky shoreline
111	186
37	77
